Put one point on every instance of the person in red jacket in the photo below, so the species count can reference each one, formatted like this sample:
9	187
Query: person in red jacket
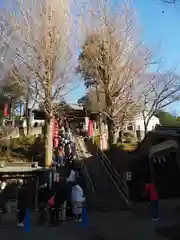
151	190
60	160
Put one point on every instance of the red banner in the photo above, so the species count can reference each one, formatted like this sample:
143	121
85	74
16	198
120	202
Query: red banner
90	128
6	110
55	132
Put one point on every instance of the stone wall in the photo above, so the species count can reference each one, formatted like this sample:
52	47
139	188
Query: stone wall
18	132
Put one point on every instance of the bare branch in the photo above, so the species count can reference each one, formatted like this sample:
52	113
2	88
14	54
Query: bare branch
113	58
158	91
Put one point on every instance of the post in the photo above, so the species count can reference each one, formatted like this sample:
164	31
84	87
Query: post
37	192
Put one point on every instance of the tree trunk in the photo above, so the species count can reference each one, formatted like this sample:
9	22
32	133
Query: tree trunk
111	132
28	114
48	142
20	105
145	130
146	123
110	123
146	127
99	116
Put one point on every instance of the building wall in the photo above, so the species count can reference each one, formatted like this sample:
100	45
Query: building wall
136	127
139	123
16	132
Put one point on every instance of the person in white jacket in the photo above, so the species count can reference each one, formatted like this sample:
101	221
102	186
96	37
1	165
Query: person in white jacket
72	176
77	198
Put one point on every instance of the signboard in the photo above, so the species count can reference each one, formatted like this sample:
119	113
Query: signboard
55	132
86	124
104	142
128	176
90	128
6	110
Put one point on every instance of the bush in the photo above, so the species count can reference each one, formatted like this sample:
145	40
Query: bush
127	147
97	140
15	143
129	137
30	140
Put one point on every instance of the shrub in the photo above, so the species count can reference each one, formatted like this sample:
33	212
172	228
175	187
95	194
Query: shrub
127	147
14	143
30	140
129	137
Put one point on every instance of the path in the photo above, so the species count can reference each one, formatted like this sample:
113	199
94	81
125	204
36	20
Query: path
138	226
67	231
105	197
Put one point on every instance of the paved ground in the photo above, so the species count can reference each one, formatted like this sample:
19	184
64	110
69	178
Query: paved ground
107	226
67	231
138	225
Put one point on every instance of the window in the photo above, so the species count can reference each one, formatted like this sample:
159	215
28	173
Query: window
130	127
138	128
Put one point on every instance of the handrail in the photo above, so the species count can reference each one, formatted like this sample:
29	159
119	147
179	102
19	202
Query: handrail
84	166
115	177
114	182
113	168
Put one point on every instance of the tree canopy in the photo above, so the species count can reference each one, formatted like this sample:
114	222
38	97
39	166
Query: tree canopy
167	119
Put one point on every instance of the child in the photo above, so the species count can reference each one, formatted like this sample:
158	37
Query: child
22	202
77	199
60	159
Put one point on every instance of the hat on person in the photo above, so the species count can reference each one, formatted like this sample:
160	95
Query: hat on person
3	185
21	181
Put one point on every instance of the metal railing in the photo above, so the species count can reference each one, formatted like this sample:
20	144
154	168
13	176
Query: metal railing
118	181
81	156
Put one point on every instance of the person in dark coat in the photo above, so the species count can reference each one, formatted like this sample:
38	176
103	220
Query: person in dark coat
60	198
81	179
2	200
42	200
22	203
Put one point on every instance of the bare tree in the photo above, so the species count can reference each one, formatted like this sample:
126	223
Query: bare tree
18	86
157	92
113	58
42	37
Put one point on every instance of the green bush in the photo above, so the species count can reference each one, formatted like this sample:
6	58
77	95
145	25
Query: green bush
14	143
30	140
129	137
127	147
21	141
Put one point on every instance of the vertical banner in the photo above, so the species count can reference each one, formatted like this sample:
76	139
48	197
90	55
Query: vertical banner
6	110
55	129
86	124
90	128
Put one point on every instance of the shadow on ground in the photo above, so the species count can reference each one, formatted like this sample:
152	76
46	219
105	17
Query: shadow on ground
170	232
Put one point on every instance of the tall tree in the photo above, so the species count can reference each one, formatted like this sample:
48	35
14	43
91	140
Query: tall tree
157	91
112	59
41	34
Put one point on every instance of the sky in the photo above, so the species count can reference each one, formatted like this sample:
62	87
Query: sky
159	24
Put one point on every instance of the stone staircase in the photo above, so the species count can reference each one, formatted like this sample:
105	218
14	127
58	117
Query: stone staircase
105	196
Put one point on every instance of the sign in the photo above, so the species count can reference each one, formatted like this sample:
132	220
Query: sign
55	132
103	142
128	176
90	128
6	110
86	124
